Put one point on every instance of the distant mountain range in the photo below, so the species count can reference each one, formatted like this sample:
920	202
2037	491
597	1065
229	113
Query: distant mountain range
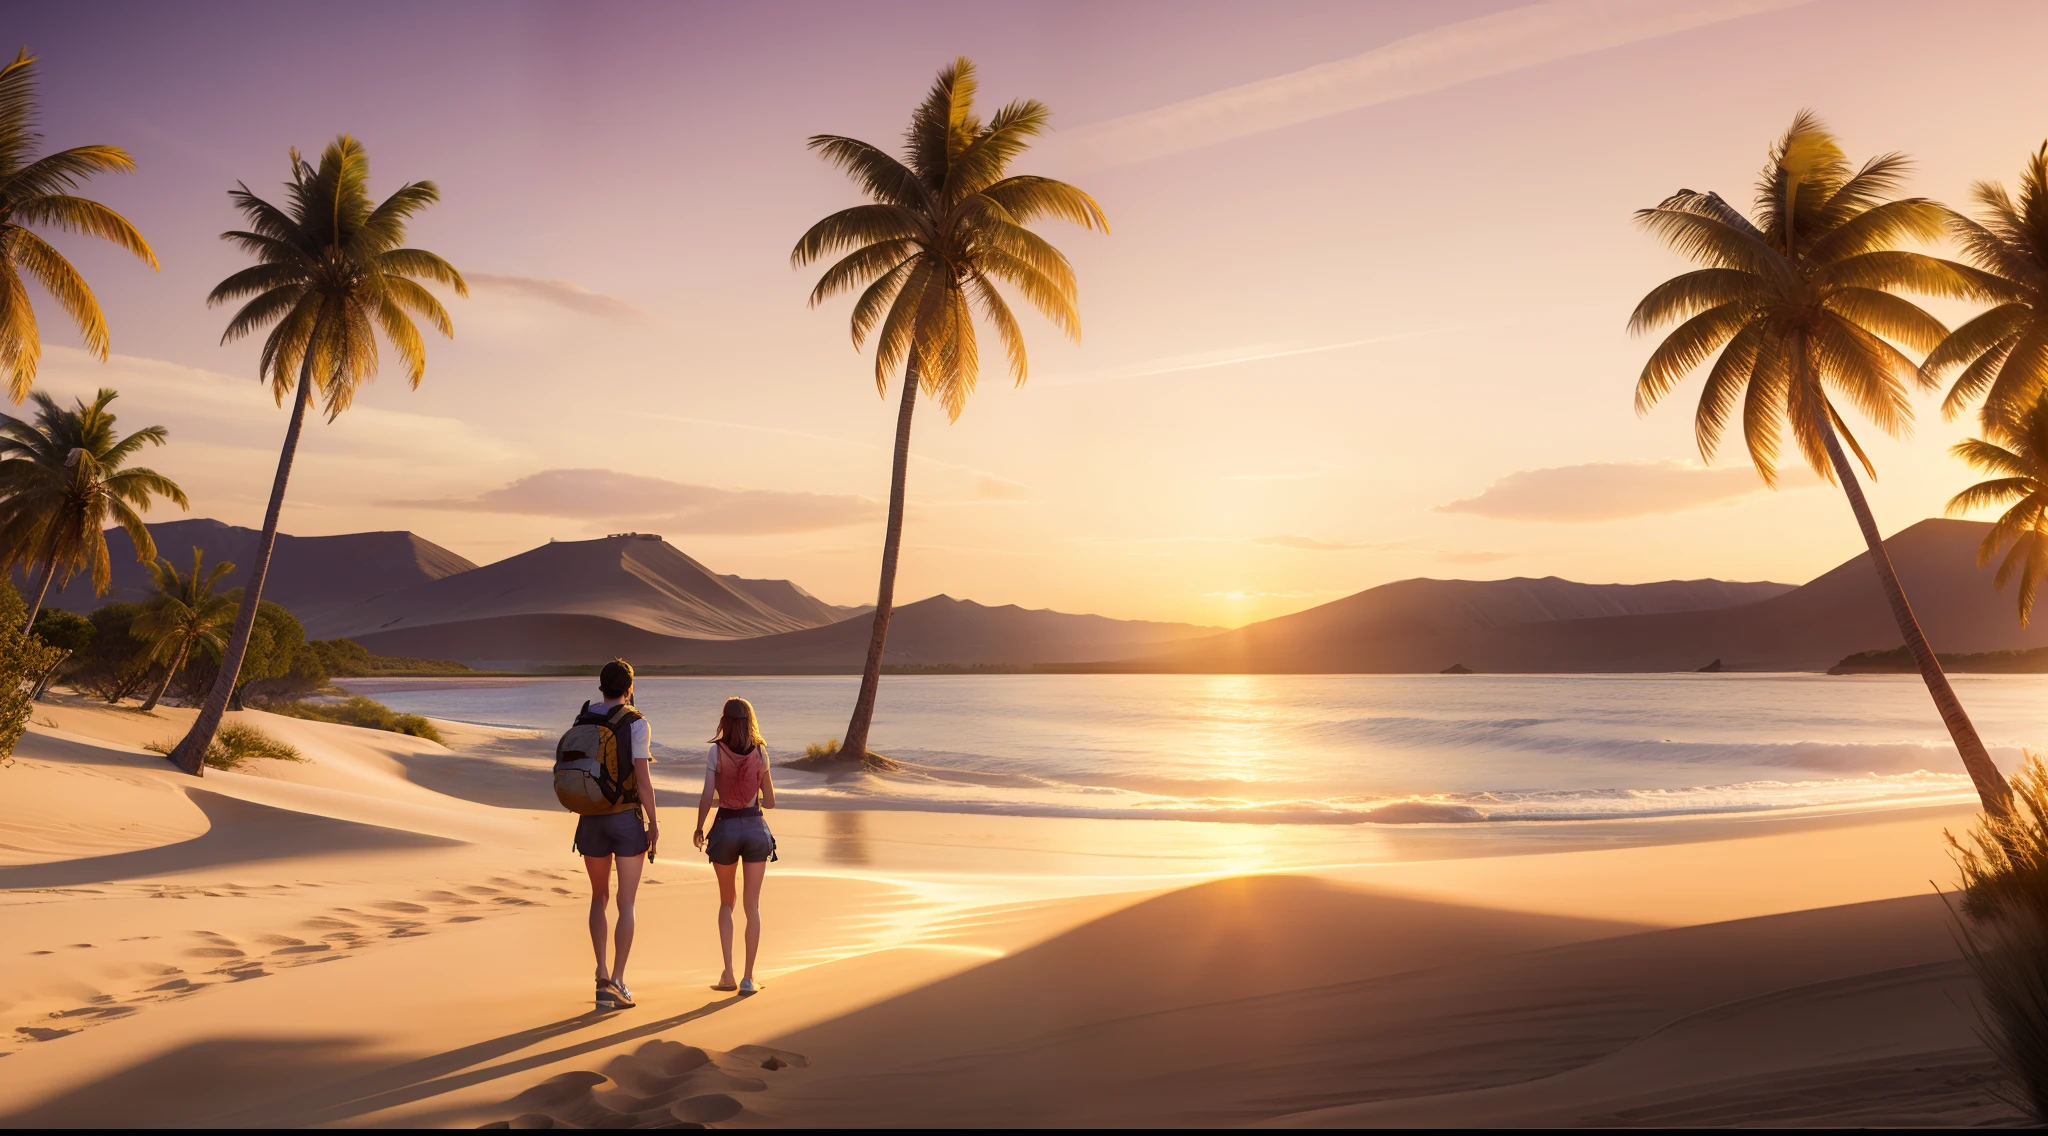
639	581
310	575
1554	625
936	631
579	602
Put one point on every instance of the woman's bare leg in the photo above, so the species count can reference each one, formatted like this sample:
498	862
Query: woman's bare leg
756	871
600	869
629	887
726	897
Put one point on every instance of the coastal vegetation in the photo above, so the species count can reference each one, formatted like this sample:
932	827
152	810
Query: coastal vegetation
38	191
1797	306
186	613
1898	660
23	660
237	744
332	269
367	713
2015	452
2003	931
942	227
63	479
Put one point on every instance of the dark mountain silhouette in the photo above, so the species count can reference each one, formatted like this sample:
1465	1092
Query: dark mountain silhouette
310	575
1419	626
637	580
935	631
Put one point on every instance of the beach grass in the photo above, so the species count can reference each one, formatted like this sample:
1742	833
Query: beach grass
2002	927
362	711
238	743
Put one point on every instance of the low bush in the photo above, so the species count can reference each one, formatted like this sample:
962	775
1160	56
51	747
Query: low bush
2002	927
23	659
827	759
368	713
237	743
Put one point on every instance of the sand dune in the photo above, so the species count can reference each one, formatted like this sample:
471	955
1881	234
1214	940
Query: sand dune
387	934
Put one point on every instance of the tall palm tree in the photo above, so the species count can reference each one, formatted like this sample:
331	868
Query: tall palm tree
943	225
36	191
184	613
63	480
331	270
2002	354
1797	308
2017	454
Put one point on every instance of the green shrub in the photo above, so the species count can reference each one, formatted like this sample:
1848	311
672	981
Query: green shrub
346	658
827	759
368	713
237	743
23	659
2003	930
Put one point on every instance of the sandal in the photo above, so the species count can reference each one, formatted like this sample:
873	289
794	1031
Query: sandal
606	1000
727	986
622	998
749	986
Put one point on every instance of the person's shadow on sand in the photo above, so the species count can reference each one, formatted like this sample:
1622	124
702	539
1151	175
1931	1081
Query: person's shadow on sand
350	1083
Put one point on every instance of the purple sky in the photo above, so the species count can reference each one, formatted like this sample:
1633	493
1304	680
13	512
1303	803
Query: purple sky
1312	328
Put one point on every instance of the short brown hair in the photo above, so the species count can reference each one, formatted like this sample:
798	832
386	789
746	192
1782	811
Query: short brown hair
615	679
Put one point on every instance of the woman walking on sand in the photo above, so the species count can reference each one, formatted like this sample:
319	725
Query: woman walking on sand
736	777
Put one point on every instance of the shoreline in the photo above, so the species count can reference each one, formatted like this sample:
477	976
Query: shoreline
324	943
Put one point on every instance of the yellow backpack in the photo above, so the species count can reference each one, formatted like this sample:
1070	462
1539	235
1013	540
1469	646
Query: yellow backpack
594	764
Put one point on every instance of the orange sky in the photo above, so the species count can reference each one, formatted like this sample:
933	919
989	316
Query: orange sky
1361	317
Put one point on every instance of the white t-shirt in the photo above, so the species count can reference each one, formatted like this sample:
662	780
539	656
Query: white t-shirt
643	738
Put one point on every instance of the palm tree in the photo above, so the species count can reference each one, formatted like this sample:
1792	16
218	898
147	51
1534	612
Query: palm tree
36	191
1797	308
942	226
2018	454
331	269
185	613
2002	354
63	480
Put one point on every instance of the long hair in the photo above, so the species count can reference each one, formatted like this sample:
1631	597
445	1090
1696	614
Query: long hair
738	729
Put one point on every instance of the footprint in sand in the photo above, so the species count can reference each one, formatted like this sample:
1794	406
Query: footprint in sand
479	889
663	1084
445	897
463	919
280	941
215	953
401	906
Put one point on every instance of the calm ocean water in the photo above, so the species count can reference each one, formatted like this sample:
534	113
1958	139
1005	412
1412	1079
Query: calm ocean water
1324	749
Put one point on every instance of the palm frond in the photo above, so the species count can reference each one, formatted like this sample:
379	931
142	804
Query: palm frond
65	285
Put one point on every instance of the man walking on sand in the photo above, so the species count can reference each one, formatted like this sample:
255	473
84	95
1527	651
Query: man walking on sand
621	836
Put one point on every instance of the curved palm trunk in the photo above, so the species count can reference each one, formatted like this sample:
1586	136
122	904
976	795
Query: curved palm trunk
35	608
190	754
176	665
856	744
1992	788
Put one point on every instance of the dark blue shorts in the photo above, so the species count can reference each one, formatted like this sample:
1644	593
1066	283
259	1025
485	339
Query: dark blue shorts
614	834
737	838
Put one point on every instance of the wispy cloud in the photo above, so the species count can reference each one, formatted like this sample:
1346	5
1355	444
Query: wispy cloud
1442	57
1311	544
1221	357
1607	491
658	504
561	294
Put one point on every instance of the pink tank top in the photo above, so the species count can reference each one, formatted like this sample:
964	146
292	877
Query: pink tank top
739	776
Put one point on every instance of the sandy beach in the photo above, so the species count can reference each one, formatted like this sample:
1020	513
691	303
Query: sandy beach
391	933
